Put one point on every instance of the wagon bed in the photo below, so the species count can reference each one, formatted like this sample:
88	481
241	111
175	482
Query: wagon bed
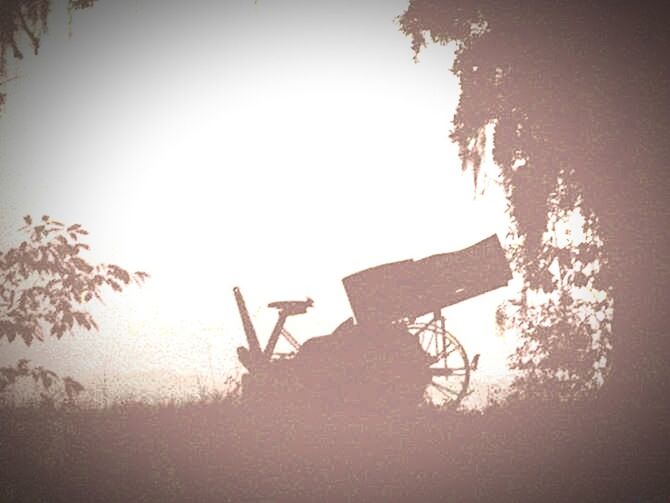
409	289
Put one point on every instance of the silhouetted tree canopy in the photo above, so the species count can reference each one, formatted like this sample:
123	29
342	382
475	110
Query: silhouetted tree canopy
574	91
45	286
25	21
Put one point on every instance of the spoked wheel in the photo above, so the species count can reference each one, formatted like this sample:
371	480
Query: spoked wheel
449	364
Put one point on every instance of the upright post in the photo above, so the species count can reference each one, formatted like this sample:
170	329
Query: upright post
254	346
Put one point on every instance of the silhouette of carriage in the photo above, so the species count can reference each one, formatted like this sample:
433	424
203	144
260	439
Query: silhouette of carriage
407	295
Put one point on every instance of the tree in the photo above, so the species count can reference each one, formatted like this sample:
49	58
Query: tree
25	18
563	315
45	286
45	282
575	93
47	379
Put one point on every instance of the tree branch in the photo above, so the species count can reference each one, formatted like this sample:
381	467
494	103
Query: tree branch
3	82
24	24
17	52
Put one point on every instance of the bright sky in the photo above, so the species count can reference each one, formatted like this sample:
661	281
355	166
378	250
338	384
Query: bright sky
275	146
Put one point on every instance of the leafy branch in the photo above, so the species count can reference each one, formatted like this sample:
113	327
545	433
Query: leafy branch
45	282
29	18
46	378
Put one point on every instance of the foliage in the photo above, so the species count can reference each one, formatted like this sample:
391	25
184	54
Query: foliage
25	18
226	450
47	379
45	282
532	71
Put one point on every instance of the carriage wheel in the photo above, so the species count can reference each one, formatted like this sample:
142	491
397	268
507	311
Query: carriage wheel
449	364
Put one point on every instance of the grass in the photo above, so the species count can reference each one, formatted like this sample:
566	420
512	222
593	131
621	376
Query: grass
225	449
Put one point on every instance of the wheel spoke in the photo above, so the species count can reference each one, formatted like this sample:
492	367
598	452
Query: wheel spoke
450	375
443	355
423	328
444	389
430	341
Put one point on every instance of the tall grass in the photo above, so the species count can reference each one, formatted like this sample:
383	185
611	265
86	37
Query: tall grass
224	448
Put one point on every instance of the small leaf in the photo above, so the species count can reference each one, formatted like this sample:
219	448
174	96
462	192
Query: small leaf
81	264
72	387
119	273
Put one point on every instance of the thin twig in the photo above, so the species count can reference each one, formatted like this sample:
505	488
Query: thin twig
3	82
24	24
17	52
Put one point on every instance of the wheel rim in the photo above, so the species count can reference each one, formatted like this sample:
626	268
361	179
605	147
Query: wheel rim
449	365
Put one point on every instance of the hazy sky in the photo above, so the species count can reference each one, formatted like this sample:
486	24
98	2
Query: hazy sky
275	146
